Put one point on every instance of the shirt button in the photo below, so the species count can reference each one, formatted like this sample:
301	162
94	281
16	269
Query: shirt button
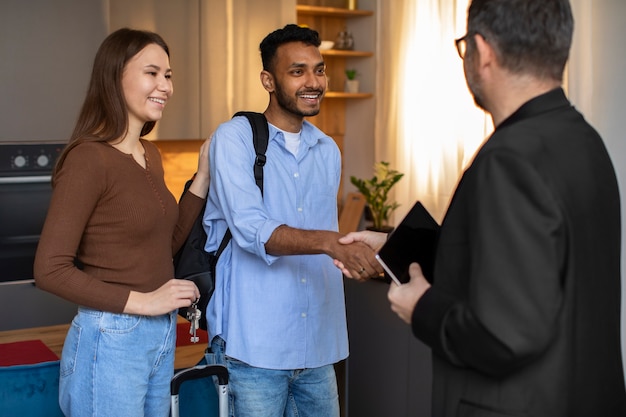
296	175
300	209
303	315
303	280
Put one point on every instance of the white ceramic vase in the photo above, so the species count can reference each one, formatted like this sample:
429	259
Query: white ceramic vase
352	86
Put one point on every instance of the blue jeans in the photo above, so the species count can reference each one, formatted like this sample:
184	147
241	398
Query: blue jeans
258	392
117	365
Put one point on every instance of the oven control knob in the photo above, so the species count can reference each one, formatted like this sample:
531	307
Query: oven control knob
19	161
43	161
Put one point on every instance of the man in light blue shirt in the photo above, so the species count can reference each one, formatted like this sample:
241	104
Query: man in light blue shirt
277	317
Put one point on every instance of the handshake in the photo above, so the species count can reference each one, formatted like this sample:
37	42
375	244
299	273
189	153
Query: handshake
357	255
363	265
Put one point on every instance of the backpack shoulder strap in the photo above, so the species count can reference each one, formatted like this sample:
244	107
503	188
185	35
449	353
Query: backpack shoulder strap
260	137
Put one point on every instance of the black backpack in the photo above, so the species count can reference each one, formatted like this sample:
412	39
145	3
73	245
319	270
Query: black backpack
192	262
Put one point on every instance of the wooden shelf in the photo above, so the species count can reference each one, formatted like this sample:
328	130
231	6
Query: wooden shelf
341	94
331	11
346	53
329	18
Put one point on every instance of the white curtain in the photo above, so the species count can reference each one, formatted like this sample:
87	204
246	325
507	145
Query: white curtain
427	124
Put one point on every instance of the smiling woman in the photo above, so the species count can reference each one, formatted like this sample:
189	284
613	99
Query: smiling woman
147	85
110	233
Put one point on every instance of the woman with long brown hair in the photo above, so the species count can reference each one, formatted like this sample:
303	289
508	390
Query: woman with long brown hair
110	233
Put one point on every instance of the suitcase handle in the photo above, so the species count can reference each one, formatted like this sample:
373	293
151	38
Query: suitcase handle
196	372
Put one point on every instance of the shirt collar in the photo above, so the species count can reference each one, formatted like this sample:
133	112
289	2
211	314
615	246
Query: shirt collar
310	134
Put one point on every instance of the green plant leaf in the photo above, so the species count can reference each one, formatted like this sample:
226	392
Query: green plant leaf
376	190
351	74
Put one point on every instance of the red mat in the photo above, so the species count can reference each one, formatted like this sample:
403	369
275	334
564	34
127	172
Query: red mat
26	352
183	338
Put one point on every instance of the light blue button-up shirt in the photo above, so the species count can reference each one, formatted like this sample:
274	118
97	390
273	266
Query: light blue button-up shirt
276	312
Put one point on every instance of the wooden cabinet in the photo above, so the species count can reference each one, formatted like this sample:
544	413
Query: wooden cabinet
328	17
389	371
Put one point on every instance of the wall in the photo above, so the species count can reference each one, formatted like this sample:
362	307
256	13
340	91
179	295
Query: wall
47	49
179	25
597	88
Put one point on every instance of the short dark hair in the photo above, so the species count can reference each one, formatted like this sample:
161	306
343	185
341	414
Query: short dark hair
529	36
289	33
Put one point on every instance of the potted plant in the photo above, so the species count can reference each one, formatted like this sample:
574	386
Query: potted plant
352	84
376	190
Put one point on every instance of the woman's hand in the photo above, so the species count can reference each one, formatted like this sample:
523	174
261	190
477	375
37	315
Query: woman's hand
200	184
174	294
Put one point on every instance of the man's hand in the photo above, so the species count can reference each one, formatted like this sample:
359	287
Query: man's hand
374	241
356	259
404	297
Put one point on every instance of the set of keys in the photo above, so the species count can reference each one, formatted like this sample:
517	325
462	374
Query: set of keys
193	315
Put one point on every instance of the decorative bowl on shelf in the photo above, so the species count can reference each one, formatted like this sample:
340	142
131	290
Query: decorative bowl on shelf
326	45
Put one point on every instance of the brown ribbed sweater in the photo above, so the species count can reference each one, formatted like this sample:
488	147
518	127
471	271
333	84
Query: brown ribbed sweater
118	219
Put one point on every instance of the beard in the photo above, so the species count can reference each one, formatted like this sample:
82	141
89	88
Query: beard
474	83
290	104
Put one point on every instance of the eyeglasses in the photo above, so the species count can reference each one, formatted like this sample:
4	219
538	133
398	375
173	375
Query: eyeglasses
461	45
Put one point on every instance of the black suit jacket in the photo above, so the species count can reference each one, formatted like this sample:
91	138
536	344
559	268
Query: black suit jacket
524	314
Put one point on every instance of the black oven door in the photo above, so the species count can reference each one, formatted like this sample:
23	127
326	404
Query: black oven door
24	203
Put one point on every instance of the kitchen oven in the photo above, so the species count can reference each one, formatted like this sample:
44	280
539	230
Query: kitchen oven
25	191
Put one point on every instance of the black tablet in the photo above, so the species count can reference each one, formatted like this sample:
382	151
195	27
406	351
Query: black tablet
414	240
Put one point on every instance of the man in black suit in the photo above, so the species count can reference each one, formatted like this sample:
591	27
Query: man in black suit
523	315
